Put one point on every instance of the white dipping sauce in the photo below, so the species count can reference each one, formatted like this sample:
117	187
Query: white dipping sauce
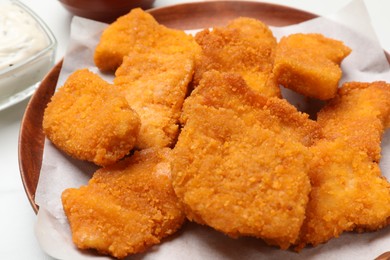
27	52
20	35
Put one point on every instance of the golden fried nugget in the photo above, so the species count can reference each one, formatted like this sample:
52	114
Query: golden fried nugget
310	64
359	113
139	31
155	85
127	207
241	161
348	191
90	120
245	46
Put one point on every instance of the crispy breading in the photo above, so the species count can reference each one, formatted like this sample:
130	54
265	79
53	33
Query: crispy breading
348	191
127	207
240	163
245	46
90	120
155	85
246	162
359	113
139	31
310	64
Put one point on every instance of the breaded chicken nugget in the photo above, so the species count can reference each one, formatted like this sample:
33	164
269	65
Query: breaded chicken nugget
241	161
245	46
127	207
155	85
139	31
90	120
348	191
310	64
359	113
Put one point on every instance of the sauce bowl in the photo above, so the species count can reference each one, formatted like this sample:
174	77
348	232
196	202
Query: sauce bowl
27	52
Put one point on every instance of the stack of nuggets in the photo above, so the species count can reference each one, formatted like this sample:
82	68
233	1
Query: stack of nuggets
245	162
129	205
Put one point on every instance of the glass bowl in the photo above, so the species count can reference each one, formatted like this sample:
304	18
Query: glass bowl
27	52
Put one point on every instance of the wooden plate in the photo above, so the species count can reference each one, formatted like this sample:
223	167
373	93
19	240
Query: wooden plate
182	16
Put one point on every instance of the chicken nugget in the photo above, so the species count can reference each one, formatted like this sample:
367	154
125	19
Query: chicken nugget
348	191
241	161
245	46
310	64
155	85
359	113
126	208
139	31
90	120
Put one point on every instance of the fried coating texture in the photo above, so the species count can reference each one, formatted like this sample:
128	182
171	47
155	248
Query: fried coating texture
127	207
310	64
90	120
245	46
139	31
155	85
360	114
240	163
348	191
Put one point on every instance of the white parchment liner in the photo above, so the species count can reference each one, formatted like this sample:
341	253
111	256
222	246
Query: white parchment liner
367	62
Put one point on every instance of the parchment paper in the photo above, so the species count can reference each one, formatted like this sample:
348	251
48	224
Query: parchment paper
367	62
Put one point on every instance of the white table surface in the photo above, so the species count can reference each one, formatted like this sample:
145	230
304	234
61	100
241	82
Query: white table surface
17	219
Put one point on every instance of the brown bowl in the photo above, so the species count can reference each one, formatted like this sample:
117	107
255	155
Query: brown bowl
103	10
